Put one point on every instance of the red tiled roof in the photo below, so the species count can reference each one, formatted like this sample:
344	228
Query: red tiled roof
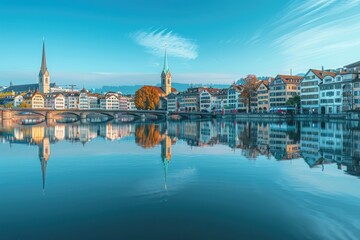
265	82
237	87
321	74
290	79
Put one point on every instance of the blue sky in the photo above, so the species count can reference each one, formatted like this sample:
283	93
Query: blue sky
94	43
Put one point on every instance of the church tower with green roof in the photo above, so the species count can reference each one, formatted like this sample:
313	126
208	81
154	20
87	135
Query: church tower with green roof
166	77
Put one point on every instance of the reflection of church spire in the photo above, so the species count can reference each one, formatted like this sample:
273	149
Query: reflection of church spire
166	164
44	154
166	151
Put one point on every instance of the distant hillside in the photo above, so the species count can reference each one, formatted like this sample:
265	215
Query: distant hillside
132	89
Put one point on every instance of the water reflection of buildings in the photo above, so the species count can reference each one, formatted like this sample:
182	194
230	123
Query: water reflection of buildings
166	152
284	144
327	143
42	137
318	143
44	155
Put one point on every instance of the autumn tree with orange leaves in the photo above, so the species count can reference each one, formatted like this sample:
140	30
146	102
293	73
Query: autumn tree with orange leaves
147	98
147	136
249	89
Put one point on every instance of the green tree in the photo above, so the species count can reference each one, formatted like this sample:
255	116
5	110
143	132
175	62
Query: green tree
295	100
147	98
249	89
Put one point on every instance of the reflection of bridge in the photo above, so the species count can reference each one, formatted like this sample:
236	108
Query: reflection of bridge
49	114
194	115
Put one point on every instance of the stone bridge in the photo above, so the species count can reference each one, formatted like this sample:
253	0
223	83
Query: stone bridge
49	114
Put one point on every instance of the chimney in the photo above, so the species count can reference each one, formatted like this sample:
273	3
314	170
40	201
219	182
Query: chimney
322	68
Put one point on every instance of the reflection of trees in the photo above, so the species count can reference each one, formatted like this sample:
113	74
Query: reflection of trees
248	140
147	136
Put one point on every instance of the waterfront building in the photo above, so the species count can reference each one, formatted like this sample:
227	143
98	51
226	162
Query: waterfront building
356	90
207	99
233	98
18	100
336	93
262	93
110	101
282	89
35	100
93	101
131	103
190	100
84	99
220	100
72	100
173	102
353	68
124	103
309	90
44	76
54	101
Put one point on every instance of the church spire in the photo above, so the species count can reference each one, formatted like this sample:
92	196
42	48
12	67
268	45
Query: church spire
44	155
166	77
166	66
43	172
43	61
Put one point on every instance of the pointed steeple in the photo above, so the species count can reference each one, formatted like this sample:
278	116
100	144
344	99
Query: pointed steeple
166	66
166	77
43	61
44	154
166	163
43	172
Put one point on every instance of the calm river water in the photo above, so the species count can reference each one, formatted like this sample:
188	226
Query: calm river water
180	180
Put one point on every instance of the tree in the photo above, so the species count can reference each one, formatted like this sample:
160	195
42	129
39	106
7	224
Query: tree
9	105
249	89
295	100
23	105
147	98
147	136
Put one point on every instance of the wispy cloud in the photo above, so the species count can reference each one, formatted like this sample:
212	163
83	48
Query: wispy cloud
310	32
316	30
176	45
